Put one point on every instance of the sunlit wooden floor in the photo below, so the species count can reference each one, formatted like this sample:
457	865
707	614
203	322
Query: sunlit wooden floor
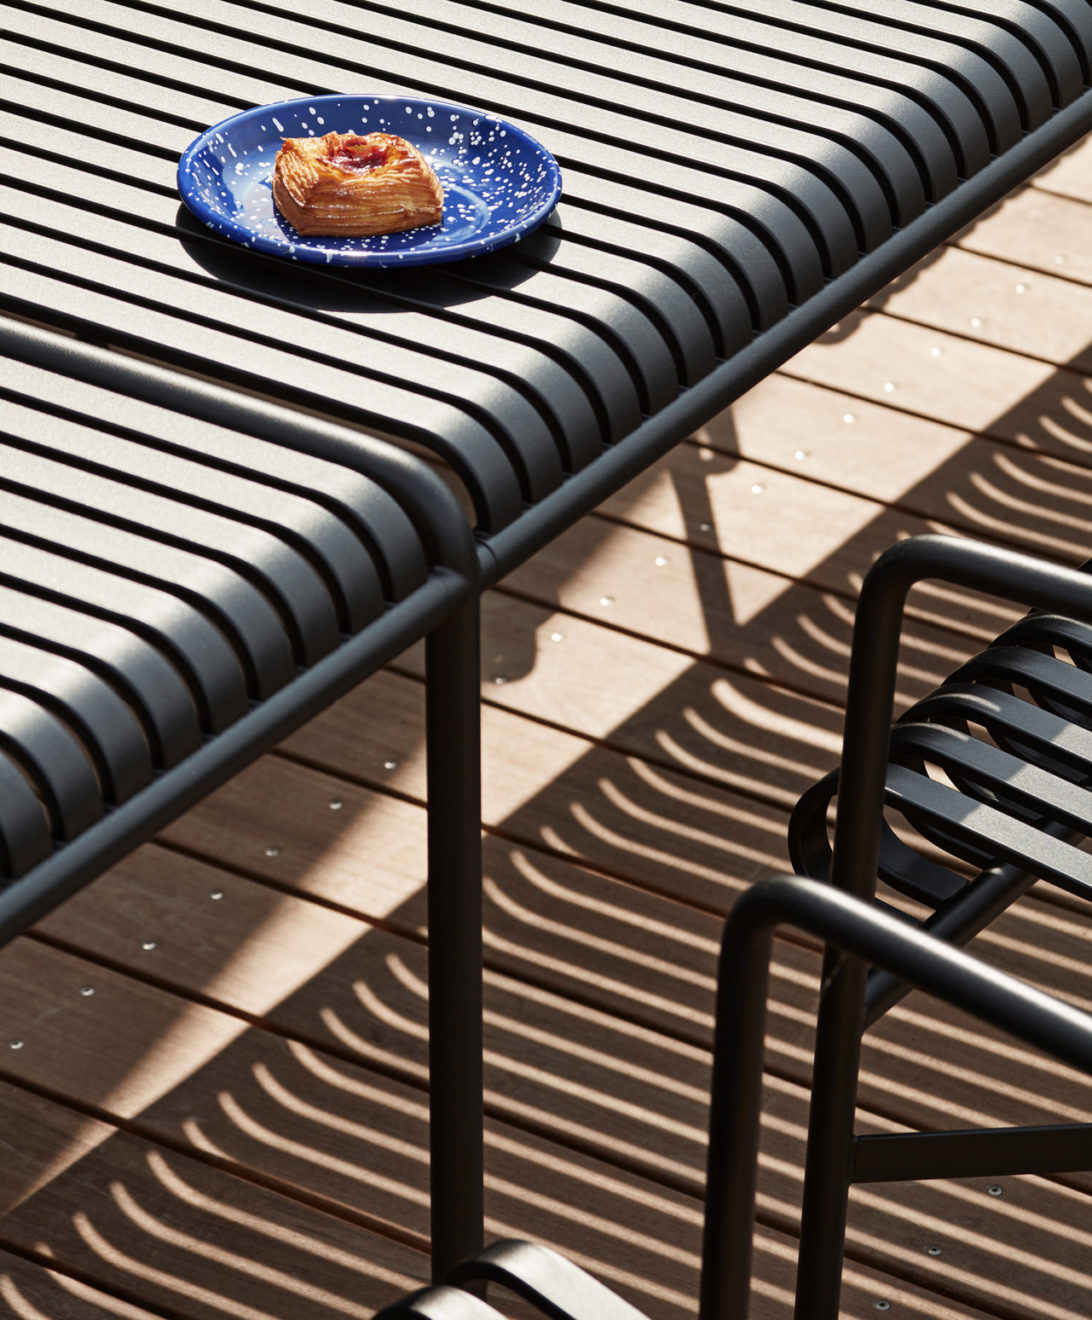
213	1063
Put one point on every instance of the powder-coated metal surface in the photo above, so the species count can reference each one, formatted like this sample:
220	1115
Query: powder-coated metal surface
726	168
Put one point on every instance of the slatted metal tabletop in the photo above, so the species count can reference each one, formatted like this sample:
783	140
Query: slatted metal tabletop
734	177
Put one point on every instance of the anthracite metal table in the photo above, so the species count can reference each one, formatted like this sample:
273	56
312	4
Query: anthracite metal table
206	435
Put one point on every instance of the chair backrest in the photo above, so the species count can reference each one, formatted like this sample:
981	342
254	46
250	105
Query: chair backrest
985	789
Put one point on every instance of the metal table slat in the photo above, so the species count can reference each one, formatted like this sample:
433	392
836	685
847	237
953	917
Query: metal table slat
732	234
361	359
151	686
231	602
85	702
1074	19
54	760
137	90
618	311
773	214
869	161
386	314
1053	31
874	30
694	164
695	43
579	378
672	315
384	408
343	512
396	338
25	835
312	533
485	295
990	40
192	644
756	41
748	253
715	294
275	568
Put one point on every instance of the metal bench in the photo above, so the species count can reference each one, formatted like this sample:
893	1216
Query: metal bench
186	576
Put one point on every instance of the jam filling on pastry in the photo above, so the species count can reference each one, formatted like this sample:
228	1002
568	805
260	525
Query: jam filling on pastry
349	185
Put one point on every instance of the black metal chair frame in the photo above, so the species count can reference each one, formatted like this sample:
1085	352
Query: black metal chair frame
836	1157
443	611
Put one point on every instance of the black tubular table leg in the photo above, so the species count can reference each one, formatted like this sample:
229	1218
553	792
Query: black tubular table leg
453	739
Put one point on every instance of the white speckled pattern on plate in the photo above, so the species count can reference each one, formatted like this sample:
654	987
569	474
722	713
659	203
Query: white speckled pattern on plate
499	183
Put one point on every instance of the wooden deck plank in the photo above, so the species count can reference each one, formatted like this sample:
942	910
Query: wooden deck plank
985	299
735	614
1070	175
1037	230
107	1237
572	932
870	350
624	950
1035	501
34	1292
170	1231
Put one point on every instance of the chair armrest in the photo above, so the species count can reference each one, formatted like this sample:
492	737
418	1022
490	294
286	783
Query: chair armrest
859	928
441	1303
556	1286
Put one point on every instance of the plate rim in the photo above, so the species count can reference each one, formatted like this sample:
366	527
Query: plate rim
437	255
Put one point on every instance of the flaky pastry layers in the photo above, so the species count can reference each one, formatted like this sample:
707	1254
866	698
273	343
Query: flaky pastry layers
345	185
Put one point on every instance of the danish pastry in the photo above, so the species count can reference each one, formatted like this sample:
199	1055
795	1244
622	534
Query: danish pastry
348	185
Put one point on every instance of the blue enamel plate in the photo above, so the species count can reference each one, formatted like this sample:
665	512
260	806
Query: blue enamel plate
499	183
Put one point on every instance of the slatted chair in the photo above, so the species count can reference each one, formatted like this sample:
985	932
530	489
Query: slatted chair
1004	800
186	576
1009	733
990	771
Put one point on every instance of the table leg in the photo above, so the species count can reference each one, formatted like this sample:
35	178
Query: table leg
455	938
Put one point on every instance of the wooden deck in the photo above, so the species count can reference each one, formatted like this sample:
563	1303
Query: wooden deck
213	1062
